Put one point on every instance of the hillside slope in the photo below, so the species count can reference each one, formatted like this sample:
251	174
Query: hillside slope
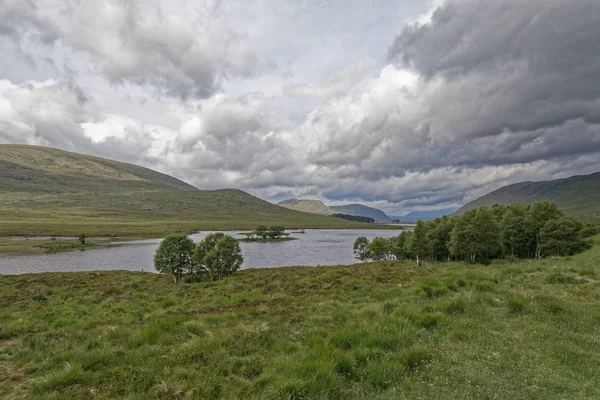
309	206
364	211
34	168
318	207
47	191
578	196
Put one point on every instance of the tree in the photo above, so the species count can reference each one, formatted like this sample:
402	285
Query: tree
420	245
540	213
261	231
216	257
561	237
275	232
82	238
361	248
174	256
461	238
399	247
515	233
381	248
439	238
498	210
486	235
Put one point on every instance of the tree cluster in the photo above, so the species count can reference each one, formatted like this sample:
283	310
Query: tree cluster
274	232
214	258
357	218
483	234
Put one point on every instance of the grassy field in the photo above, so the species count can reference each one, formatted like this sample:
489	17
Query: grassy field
387	330
49	192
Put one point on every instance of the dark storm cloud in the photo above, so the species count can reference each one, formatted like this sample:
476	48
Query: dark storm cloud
537	61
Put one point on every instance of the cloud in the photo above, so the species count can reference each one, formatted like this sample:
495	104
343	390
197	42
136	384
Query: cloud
471	96
181	49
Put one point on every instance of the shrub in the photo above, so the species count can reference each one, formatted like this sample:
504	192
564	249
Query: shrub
216	257
82	238
174	256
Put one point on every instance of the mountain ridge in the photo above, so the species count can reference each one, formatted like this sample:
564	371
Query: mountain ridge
318	207
577	195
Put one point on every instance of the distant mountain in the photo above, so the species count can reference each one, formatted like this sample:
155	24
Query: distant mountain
426	215
358	209
309	206
578	196
318	207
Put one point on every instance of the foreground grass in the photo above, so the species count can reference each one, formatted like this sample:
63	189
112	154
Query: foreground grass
382	330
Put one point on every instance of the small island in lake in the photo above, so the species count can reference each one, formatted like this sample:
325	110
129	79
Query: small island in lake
262	234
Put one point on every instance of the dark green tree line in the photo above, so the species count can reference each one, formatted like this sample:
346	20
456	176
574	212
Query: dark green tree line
483	234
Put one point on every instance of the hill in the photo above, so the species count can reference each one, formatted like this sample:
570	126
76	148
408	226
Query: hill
363	211
425	215
385	330
578	196
318	207
47	191
309	206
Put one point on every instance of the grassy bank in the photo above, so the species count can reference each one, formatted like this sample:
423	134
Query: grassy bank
386	330
13	245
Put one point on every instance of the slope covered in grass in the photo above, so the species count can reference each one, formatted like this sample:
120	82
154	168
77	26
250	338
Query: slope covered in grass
578	196
52	192
387	330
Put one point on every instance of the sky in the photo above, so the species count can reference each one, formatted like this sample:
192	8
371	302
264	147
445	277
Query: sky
400	105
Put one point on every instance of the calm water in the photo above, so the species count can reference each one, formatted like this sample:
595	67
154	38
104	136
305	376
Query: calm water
315	247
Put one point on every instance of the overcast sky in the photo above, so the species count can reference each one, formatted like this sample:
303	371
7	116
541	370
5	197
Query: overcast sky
402	105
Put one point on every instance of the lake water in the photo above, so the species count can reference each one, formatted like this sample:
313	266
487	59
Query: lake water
314	247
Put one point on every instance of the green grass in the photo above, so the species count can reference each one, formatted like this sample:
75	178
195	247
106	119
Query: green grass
49	192
385	330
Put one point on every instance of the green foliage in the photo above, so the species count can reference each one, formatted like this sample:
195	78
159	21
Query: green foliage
361	248
381	248
420	244
174	256
261	231
275	232
482	235
81	238
561	237
216	257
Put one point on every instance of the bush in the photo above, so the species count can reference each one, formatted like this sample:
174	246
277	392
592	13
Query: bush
82	238
174	256
216	257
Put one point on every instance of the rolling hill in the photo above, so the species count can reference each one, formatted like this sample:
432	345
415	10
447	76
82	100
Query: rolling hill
318	207
46	191
578	196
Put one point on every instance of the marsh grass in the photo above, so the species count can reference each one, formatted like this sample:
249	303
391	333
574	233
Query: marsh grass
343	332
